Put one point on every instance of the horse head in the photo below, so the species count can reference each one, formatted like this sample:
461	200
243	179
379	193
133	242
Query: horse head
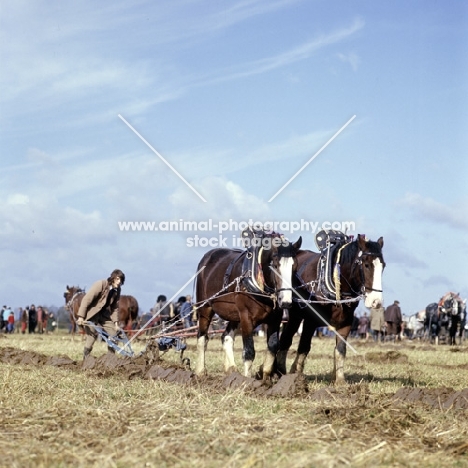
365	273
451	304
70	293
280	259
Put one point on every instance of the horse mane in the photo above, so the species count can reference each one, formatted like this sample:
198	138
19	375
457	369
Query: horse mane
348	254
351	250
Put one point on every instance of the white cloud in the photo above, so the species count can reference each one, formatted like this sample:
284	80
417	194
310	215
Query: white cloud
283	59
225	200
351	58
17	199
427	209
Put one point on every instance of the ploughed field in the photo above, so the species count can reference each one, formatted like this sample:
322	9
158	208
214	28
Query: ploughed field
405	404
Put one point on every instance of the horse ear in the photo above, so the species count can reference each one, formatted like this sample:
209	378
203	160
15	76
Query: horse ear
361	240
380	242
298	243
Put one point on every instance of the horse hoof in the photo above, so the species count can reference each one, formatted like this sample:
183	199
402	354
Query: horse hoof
201	372
230	370
340	383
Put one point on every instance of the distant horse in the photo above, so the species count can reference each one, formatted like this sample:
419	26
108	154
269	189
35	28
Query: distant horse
358	267
433	322
454	309
128	311
416	325
73	297
244	287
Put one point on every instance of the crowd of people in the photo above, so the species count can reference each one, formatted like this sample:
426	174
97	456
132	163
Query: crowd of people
383	324
29	319
163	314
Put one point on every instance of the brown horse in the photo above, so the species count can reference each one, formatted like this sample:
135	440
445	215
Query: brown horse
244	287
128	311
73	297
359	266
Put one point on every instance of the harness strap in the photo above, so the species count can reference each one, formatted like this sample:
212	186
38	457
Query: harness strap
229	269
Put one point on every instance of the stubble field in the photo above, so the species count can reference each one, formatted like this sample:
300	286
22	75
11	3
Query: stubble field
405	404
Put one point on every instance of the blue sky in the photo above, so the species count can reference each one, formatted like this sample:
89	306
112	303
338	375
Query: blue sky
237	96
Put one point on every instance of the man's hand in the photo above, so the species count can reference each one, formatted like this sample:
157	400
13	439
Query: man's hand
118	329
80	321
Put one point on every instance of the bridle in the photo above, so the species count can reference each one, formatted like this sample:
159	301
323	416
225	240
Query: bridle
276	257
69	304
358	263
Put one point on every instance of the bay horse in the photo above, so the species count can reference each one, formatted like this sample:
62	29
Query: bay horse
245	287
128	311
73	297
359	274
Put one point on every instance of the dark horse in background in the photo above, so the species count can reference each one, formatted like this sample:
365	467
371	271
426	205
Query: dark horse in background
223	287
128	312
453	308
73	296
360	274
434	322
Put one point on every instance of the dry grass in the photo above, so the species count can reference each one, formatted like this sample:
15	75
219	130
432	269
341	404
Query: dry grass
52	417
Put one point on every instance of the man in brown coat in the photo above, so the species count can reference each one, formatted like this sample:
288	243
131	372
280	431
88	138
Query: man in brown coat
377	321
100	306
393	319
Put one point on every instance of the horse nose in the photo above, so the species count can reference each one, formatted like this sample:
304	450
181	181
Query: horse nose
284	304
371	297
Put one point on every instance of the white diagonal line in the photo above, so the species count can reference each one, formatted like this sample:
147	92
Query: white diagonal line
312	158
162	159
318	315
169	301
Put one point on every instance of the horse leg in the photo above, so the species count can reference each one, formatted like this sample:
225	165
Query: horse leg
340	355
248	353
227	339
205	315
308	330
286	339
273	327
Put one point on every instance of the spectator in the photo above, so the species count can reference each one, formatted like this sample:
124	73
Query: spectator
363	326
24	320
186	311
11	322
40	316
177	308
393	320
163	310
45	319
2	321
32	319
377	321
5	316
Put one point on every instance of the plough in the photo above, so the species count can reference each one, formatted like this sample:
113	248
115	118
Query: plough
122	345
